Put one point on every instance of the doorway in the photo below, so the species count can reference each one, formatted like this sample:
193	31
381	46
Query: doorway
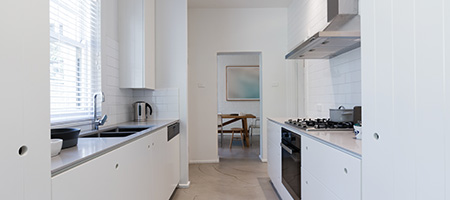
239	71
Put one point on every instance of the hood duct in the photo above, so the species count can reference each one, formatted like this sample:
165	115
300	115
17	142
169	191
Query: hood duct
341	35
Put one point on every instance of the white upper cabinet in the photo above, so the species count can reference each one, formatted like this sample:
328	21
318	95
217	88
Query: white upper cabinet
137	43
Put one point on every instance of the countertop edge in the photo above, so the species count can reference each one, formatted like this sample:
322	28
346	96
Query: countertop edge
304	133
127	140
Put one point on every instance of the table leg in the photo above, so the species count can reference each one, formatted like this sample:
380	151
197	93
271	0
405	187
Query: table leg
244	126
221	132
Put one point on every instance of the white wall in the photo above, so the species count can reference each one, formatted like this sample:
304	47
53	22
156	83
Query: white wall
232	30
224	106
172	69
328	83
406	82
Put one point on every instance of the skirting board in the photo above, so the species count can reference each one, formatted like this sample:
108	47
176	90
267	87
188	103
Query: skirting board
203	161
184	186
262	160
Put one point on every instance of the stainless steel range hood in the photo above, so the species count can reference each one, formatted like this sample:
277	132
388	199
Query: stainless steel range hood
341	35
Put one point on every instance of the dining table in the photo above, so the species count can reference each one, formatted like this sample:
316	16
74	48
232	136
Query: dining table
234	118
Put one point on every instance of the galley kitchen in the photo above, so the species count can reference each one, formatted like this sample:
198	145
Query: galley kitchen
120	99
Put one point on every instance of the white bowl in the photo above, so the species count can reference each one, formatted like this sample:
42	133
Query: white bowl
56	145
358	132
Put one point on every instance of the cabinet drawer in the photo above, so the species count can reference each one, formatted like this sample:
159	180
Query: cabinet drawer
312	189
336	170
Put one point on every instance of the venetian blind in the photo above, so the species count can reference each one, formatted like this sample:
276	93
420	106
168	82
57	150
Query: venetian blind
75	73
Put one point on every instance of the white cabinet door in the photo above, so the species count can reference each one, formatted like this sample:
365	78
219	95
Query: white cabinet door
137	43
158	155
24	107
134	170
312	189
173	164
95	179
274	151
165	164
121	174
337	171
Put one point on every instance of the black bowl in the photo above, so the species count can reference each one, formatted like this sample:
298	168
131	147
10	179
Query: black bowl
68	135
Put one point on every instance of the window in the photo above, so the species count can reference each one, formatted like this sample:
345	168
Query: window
75	70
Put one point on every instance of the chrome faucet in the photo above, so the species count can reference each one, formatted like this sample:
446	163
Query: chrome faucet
98	122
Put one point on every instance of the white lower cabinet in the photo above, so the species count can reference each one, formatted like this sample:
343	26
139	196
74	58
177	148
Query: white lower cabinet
274	152
337	171
173	163
138	171
158	158
326	172
105	177
312	189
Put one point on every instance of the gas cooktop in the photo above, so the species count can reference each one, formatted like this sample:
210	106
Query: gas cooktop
320	124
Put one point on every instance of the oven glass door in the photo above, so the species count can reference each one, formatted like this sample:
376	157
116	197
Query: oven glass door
291	163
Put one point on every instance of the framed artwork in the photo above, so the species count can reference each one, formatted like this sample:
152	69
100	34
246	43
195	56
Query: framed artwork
242	83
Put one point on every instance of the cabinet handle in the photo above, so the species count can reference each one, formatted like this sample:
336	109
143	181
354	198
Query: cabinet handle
345	170
286	148
306	147
117	165
23	150
306	182
376	136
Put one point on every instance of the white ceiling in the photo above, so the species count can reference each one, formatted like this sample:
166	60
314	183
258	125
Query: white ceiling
238	3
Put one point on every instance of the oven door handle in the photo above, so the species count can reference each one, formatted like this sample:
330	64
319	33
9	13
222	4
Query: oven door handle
286	148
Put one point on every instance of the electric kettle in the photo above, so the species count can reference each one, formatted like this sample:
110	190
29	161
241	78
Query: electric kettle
140	111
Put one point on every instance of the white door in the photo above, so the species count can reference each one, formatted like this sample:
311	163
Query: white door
24	103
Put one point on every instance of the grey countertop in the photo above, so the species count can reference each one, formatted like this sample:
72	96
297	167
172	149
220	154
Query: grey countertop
90	148
341	140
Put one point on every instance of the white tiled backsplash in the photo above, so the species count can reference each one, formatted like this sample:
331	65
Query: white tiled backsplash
163	101
118	102
331	83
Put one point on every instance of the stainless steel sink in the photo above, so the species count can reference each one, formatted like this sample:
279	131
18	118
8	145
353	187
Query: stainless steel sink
120	131
125	129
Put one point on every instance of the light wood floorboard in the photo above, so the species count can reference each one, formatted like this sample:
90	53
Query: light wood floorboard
239	175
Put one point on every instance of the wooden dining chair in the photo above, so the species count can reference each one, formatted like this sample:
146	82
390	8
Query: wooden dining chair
254	125
220	129
241	138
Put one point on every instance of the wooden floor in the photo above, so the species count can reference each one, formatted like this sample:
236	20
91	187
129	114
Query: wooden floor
239	175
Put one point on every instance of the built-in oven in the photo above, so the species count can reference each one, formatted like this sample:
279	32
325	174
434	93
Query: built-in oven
291	162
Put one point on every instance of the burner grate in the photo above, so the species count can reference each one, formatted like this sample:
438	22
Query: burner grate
320	124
